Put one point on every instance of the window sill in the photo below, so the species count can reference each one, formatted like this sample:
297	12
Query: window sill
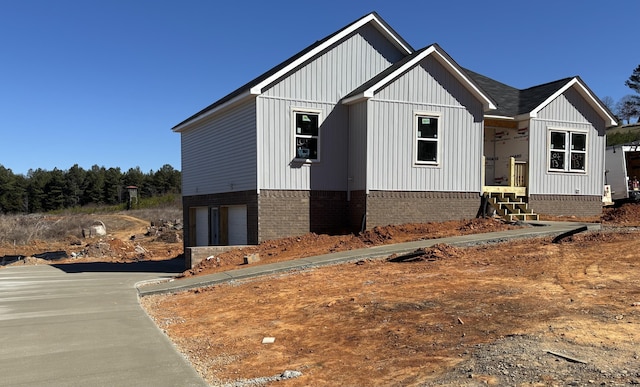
426	164
305	161
557	171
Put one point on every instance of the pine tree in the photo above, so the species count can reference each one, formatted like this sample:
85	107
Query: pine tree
54	190
634	80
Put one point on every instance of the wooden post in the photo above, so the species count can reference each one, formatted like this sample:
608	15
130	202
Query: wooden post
512	171
482	173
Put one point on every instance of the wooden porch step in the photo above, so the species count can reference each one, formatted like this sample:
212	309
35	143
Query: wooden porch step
523	217
511	207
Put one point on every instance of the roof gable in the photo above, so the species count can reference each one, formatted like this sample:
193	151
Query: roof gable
260	83
369	89
535	98
585	92
527	103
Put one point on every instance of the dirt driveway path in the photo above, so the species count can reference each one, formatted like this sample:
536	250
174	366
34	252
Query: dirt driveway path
82	325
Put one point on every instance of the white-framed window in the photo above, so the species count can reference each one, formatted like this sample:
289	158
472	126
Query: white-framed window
306	125
567	150
427	134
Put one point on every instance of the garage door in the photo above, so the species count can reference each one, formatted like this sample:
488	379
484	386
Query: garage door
237	225
202	226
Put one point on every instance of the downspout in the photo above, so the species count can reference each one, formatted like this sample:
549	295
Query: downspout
258	145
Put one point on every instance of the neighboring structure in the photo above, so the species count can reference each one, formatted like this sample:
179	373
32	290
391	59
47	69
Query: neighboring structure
360	130
623	171
132	192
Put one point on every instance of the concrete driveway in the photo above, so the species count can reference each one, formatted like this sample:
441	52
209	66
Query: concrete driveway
82	325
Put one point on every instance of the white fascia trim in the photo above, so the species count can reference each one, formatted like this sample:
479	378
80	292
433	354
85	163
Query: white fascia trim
596	104
491	117
534	112
585	93
382	28
525	116
257	89
213	111
370	92
355	98
488	105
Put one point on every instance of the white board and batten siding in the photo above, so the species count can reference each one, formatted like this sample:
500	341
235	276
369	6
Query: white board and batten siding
219	154
358	146
318	85
278	166
340	69
576	115
391	133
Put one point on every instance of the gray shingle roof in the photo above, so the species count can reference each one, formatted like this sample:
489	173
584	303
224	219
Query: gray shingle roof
511	101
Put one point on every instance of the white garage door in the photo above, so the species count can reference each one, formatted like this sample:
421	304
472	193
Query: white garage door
237	225
202	226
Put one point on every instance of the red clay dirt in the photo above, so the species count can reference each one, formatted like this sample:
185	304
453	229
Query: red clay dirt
525	313
312	244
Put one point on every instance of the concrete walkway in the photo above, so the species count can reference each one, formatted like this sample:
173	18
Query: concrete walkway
69	325
537	229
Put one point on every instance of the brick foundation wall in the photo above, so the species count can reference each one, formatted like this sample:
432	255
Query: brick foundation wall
248	198
566	205
390	207
286	213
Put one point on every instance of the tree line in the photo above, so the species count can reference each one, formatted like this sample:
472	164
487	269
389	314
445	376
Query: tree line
41	190
627	107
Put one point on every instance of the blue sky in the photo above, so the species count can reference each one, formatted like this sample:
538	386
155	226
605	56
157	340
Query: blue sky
102	82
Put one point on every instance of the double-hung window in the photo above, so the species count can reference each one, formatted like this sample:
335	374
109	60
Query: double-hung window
427	139
307	135
567	151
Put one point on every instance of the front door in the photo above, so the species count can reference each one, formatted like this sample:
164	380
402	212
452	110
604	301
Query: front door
506	153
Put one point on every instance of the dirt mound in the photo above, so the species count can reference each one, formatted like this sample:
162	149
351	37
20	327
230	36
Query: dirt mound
378	235
279	250
28	261
414	231
480	225
115	248
627	214
436	252
597	237
164	231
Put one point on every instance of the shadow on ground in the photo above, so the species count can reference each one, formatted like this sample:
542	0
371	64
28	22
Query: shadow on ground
173	265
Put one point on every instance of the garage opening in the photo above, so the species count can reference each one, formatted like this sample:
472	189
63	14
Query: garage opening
237	225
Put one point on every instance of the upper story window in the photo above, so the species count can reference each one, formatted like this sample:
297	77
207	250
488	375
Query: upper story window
567	151
427	130
307	135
